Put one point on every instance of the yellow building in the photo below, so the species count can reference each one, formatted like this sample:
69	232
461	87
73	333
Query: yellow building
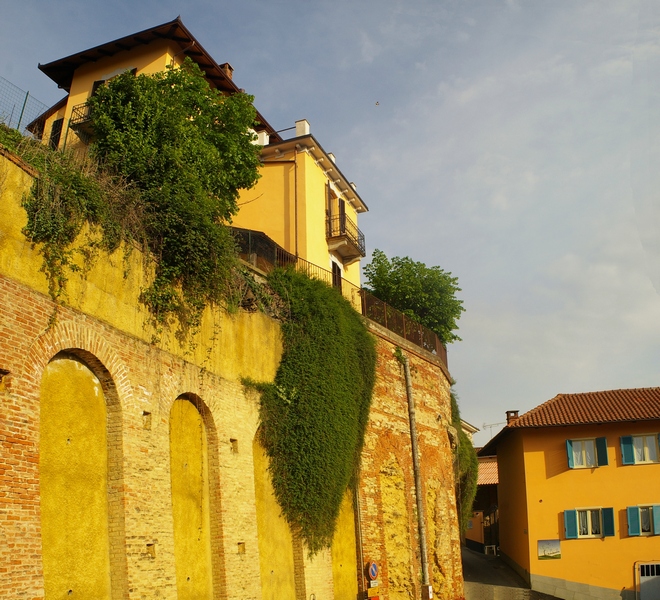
302	201
579	494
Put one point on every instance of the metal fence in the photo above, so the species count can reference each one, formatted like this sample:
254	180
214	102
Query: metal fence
17	107
257	249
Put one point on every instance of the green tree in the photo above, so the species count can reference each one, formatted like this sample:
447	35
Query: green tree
188	150
426	294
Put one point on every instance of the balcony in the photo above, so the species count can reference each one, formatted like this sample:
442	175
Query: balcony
345	238
81	121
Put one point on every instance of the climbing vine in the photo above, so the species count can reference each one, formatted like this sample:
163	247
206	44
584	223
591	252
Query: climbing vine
314	414
466	468
167	160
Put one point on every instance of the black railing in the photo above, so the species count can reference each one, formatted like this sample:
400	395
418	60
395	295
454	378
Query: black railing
342	226
257	249
80	114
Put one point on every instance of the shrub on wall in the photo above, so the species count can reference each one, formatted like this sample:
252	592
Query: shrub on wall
314	415
466	468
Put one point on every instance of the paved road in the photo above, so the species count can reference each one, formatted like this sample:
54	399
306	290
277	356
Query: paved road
489	578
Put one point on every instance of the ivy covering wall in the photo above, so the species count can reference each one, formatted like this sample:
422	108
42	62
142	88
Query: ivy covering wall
315	413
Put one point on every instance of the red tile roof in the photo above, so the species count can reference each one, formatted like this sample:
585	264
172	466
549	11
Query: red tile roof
610	406
488	473
589	408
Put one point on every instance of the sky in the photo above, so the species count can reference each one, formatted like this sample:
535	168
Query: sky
516	144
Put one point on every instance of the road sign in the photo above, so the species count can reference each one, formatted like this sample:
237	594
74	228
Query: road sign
374	583
373	593
372	570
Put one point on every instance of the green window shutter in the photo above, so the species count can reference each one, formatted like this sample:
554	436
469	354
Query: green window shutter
633	520
569	453
608	522
601	452
570	524
656	519
627	452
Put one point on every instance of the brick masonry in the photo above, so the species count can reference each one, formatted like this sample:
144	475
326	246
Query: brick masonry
141	380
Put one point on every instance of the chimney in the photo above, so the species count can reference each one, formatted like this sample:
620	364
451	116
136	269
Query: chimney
511	416
228	70
263	138
332	157
302	127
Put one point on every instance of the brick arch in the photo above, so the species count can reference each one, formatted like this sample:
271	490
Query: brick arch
218	572
92	350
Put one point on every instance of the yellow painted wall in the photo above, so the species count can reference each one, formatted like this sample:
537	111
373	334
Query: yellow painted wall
189	473
73	467
231	346
271	207
553	488
514	535
344	553
275	542
475	529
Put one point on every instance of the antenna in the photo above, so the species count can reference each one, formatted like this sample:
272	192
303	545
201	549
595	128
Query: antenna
491	426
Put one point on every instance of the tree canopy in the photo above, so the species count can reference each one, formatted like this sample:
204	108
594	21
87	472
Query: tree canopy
426	294
188	150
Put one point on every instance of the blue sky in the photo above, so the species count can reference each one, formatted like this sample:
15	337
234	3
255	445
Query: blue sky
515	144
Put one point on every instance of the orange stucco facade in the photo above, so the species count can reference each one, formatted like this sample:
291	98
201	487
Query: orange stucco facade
537	486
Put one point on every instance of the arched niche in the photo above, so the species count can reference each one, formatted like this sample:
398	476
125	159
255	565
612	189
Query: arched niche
80	479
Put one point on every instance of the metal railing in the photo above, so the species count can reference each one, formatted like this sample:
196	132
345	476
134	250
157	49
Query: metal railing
341	225
80	113
17	107
257	249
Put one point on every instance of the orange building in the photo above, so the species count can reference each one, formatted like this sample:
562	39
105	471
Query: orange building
579	494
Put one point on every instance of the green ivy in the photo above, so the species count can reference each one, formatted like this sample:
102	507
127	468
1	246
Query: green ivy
314	415
168	158
467	468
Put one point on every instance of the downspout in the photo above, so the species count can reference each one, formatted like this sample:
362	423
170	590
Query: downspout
421	521
358	522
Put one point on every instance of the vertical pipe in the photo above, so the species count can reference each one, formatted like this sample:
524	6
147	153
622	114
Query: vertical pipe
421	521
295	197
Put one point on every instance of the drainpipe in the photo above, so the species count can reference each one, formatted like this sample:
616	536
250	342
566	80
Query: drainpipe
421	521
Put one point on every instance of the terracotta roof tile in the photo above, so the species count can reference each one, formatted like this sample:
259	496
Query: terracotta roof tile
488	473
594	407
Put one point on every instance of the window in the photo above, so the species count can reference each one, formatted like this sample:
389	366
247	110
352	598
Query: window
587	453
639	449
643	520
589	523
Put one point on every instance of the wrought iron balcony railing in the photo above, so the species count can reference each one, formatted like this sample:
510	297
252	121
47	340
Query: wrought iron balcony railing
257	249
344	237
80	114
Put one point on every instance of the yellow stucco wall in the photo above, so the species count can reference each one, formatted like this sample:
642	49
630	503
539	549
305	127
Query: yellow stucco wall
230	345
271	207
514	530
73	467
189	472
344	553
275	541
553	488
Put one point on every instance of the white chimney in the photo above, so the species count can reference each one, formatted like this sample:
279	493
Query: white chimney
332	157
302	127
263	138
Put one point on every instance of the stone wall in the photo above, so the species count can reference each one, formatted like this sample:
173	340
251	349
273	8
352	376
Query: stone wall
389	528
104	328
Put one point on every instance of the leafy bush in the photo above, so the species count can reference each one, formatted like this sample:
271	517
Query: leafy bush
315	413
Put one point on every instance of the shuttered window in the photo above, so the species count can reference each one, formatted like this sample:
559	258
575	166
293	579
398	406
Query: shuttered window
587	453
589	523
643	520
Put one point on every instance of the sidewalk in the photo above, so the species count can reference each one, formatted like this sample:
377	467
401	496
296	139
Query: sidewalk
489	578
